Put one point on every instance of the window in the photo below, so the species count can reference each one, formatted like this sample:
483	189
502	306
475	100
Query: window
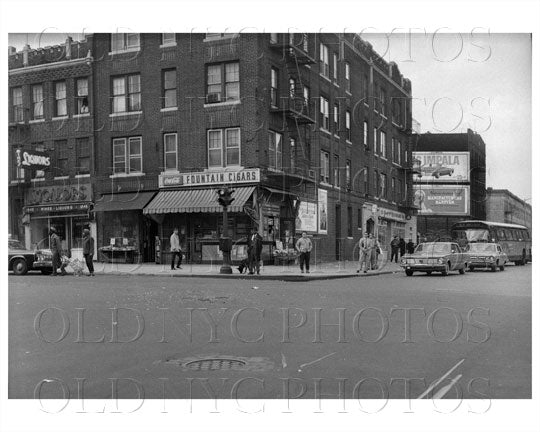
366	179
292	150
39	147
126	93
223	82
305	42
37	102
223	154
324	66
376	182
393	150
359	219
382	193
398	153
62	158
17	104
324	121
306	95
127	155
60	105
348	77
375	140
396	111
169	88
335	67
125	41
273	38
348	174
348	125
170	152
82	151
336	171
382	144
399	192
325	167
274	87
349	221
168	38
394	191
292	88
275	150
336	118
382	97
82	96
365	133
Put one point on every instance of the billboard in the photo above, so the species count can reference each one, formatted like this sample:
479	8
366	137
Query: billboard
307	217
436	167
323	211
442	200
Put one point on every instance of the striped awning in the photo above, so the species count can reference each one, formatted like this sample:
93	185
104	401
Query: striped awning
196	201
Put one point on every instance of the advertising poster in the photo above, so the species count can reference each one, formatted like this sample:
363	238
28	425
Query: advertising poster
323	211
441	167
307	217
442	200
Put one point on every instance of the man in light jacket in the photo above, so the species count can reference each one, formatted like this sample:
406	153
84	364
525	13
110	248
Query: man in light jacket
175	249
364	260
304	246
88	251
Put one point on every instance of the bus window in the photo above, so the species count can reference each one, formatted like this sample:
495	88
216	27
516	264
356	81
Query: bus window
508	234
527	236
518	234
501	234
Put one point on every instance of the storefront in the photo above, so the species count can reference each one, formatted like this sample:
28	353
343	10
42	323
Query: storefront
66	208
386	223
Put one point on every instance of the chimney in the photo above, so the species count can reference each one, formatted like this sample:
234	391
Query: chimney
25	54
12	50
68	47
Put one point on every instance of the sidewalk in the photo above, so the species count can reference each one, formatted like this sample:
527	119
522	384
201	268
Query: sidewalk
321	271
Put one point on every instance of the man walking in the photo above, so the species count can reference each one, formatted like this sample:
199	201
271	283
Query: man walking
304	246
410	247
254	251
56	248
375	250
88	251
402	246
175	249
394	246
364	259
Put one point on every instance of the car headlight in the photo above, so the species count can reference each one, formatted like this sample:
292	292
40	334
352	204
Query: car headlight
440	260
491	258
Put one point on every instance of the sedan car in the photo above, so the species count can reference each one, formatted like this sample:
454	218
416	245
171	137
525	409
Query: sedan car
486	255
21	260
436	256
437	170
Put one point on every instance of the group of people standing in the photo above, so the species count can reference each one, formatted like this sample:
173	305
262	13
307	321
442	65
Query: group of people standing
55	245
399	247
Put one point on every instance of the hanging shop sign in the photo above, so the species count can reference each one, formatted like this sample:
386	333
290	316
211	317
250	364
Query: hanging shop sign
391	214
323	211
58	194
249	175
32	159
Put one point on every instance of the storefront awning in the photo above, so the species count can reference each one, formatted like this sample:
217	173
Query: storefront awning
124	201
196	201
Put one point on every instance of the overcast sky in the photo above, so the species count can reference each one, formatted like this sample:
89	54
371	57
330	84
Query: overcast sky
459	81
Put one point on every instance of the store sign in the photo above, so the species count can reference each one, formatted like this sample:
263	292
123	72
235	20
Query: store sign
58	194
252	175
323	211
442	200
306	220
391	215
441	166
32	160
57	208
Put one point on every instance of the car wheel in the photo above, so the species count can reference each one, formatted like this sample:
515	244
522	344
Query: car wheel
19	267
471	269
494	267
409	272
462	270
446	269
501	268
428	272
46	272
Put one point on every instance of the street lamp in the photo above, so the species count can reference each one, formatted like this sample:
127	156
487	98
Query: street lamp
225	243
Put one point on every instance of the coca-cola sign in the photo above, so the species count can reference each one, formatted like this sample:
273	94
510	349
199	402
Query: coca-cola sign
33	160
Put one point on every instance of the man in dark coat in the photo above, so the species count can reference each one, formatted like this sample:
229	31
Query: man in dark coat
88	251
56	248
402	246
394	246
254	251
410	247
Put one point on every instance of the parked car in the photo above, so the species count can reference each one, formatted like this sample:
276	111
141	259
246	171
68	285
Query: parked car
435	256
22	260
486	255
437	170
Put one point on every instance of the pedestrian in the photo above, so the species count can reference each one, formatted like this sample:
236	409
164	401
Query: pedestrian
364	258
254	251
304	246
410	247
402	246
56	248
375	249
176	251
88	251
394	246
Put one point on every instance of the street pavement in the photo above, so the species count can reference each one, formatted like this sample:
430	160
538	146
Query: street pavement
390	336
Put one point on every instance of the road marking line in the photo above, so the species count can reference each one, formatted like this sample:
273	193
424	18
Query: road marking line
437	382
440	394
315	361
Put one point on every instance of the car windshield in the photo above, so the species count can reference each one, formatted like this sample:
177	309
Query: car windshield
16	244
433	248
482	247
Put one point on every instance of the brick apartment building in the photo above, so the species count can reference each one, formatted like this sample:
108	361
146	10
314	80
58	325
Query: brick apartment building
503	206
449	180
312	131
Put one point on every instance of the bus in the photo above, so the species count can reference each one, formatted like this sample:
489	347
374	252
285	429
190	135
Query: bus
515	240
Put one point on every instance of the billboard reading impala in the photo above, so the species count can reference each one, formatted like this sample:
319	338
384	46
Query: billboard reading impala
441	167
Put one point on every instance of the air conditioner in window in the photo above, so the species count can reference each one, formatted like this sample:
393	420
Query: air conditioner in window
311	173
213	97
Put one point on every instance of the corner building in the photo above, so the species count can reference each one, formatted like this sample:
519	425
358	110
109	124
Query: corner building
312	131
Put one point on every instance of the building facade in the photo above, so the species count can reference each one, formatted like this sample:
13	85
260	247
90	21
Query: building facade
449	181
312	131
503	206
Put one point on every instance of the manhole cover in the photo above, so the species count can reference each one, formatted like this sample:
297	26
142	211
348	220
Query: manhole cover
215	364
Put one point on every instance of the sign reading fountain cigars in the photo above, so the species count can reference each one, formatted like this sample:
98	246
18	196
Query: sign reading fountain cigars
207	178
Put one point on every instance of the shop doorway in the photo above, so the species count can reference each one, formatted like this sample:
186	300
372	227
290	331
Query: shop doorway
150	231
370	226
